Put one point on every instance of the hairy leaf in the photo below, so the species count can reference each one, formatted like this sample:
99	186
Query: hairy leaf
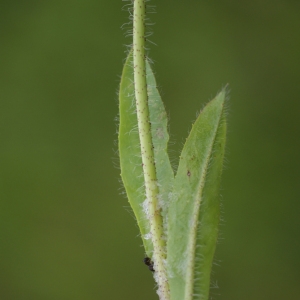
193	214
130	152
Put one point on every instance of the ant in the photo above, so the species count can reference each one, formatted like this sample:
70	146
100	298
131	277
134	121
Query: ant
148	262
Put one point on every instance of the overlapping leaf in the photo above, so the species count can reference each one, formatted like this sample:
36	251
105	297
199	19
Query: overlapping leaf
130	152
193	210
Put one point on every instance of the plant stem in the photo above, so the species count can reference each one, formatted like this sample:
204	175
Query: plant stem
144	127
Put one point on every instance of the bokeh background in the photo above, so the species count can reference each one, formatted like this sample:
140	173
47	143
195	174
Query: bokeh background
66	230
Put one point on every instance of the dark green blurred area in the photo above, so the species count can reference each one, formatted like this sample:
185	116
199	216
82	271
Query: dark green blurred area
65	228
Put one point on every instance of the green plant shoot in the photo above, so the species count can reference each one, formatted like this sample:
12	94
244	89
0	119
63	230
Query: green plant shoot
178	216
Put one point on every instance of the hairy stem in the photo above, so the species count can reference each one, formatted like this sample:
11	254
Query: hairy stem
144	127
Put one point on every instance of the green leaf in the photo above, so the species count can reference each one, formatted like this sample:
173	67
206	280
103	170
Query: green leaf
130	152
193	214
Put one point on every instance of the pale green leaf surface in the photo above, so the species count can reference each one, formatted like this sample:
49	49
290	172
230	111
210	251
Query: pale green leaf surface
130	152
194	209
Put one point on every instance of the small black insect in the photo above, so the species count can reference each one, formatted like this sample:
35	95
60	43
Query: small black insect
148	262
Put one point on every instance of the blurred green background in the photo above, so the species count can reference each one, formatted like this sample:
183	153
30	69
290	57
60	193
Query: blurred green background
66	229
